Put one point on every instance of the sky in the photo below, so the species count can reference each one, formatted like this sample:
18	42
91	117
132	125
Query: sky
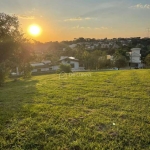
68	19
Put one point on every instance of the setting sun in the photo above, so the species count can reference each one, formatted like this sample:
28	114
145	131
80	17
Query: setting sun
34	30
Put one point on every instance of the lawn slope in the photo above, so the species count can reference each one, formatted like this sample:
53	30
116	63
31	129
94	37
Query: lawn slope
96	110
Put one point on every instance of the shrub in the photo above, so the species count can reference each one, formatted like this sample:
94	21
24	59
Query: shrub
27	71
65	68
3	73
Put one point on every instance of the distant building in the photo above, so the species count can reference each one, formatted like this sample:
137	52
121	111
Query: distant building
74	63
106	45
72	46
135	58
39	67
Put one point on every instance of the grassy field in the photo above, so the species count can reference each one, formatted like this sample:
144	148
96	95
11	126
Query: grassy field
84	111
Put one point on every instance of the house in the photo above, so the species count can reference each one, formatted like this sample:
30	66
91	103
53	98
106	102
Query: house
39	67
135	58
74	63
106	45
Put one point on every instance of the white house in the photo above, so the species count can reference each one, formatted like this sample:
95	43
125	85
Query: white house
68	60
135	58
43	66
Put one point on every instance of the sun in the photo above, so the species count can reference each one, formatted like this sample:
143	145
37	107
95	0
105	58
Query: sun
34	30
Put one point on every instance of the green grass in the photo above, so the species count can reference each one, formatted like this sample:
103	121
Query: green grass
89	111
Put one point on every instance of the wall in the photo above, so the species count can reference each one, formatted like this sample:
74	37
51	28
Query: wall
44	69
41	70
135	55
55	67
34	70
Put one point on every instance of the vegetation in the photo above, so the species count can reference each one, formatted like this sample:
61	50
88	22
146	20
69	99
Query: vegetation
95	58
14	49
119	60
65	68
147	60
106	110
3	73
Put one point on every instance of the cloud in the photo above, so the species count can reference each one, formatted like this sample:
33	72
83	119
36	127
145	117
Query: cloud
26	17
104	28
101	28
88	18
78	19
88	27
96	28
74	19
80	27
29	14
140	6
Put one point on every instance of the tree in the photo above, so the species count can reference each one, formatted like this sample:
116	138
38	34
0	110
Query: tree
3	73
86	57
147	60
12	43
119	61
104	62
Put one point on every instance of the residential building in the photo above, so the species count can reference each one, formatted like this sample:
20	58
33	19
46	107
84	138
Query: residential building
74	63
135	58
39	67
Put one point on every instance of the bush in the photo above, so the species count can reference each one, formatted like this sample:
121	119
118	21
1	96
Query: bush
27	71
3	74
64	68
147	61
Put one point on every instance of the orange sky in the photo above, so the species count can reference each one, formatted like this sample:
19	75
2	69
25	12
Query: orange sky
68	19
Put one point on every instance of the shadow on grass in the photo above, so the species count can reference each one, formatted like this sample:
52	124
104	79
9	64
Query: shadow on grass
13	95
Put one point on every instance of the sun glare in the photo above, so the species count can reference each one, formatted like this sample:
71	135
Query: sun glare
34	30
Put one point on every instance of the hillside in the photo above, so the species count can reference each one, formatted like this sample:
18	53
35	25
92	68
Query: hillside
94	110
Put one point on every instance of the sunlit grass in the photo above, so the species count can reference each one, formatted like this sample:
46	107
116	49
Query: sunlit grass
106	110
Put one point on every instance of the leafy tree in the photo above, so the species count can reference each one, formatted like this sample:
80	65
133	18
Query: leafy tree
27	70
86	57
119	61
54	51
12	43
3	73
147	60
104	63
